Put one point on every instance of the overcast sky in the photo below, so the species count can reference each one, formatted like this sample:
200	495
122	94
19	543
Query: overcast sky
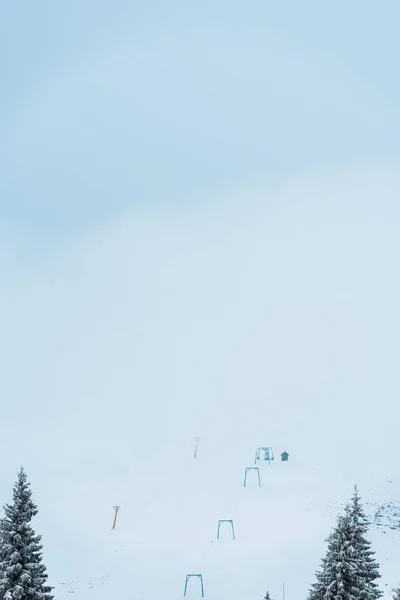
199	210
108	107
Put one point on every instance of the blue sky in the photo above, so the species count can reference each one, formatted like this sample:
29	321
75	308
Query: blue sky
108	107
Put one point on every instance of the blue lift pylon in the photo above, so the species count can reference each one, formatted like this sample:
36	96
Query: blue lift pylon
197	576
257	470
226	521
268	454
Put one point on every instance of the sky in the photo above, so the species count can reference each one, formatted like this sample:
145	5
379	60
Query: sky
191	190
111	107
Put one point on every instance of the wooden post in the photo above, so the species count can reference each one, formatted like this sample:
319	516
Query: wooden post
197	445
116	508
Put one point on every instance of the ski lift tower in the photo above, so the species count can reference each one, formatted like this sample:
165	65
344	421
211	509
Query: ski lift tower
266	451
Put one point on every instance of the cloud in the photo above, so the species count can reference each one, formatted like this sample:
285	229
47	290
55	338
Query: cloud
280	300
142	121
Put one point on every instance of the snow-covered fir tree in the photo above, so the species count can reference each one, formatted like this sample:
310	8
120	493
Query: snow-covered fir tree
368	566
348	571
22	573
396	595
267	596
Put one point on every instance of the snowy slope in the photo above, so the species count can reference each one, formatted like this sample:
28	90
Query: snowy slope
166	528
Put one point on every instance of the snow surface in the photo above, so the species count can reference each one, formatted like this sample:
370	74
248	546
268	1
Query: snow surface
167	524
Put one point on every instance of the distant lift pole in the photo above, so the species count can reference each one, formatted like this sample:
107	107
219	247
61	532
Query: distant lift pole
116	508
196	447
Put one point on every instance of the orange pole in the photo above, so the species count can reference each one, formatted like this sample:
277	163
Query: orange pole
116	508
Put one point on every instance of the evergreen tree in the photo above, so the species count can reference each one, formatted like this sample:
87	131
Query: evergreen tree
368	567
396	595
22	574
348	571
267	596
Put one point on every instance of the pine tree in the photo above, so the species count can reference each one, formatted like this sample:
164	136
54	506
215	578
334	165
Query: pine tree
267	596
348	571
396	595
22	574
368	566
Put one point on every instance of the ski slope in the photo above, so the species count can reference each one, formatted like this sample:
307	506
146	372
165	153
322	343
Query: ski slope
167	524
267	321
